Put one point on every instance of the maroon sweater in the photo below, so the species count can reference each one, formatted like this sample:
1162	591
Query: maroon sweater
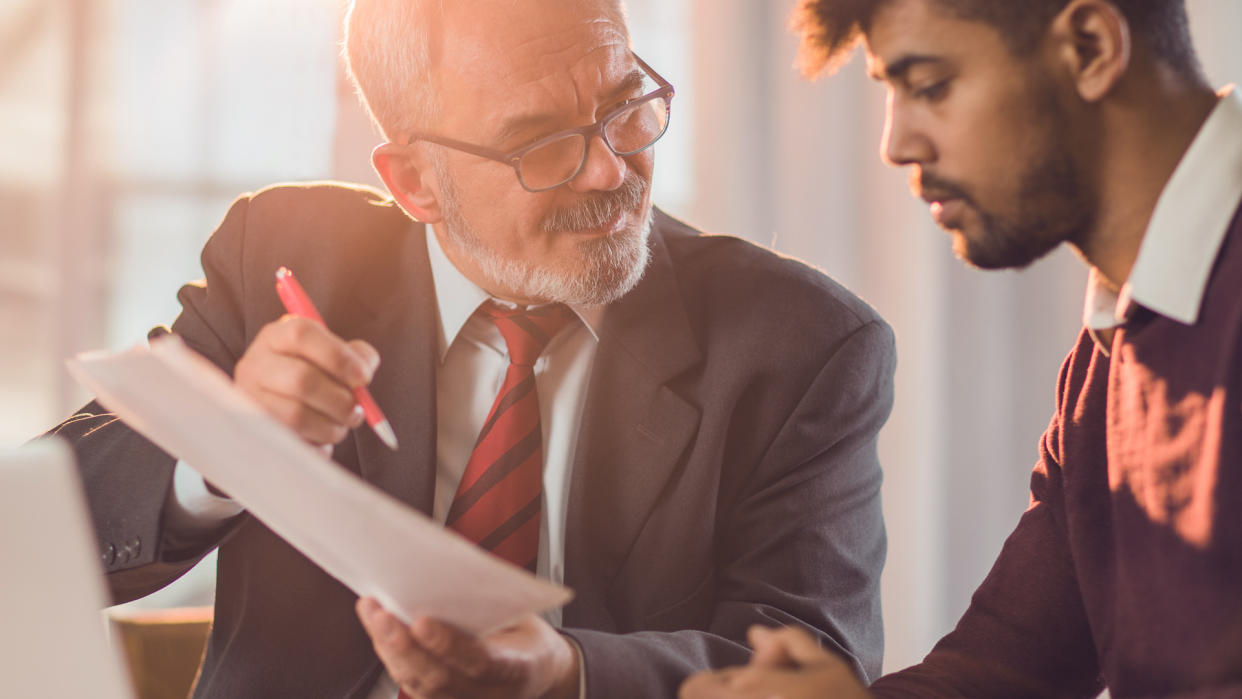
1126	570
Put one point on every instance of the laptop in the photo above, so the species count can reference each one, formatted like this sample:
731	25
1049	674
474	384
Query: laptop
53	641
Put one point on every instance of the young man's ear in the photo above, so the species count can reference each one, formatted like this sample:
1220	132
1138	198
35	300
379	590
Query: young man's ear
1094	44
407	173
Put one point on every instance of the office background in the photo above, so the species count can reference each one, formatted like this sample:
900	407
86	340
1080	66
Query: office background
127	126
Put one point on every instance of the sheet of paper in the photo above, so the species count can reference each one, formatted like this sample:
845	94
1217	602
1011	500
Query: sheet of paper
368	540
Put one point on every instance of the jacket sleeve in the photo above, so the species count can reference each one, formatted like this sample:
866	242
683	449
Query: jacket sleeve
804	544
127	479
1025	633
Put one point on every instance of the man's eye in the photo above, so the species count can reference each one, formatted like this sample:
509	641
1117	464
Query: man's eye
932	93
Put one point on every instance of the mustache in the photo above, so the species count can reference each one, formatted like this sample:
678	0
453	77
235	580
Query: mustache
931	187
600	209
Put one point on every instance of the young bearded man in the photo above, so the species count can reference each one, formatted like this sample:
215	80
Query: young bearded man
683	408
1027	125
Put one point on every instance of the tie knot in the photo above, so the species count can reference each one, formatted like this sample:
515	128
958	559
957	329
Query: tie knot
528	331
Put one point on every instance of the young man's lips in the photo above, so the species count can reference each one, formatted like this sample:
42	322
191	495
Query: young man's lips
946	211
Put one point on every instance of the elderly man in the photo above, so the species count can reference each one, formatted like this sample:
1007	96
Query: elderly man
1087	122
682	428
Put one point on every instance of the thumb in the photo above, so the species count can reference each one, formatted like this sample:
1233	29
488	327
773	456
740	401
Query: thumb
789	647
769	648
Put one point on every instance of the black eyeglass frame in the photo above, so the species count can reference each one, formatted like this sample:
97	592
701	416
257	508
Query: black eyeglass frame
664	89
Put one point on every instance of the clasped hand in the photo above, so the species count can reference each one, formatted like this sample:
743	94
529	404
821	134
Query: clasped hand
432	660
787	664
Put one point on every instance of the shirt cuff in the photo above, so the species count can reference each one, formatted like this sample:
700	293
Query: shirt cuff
192	508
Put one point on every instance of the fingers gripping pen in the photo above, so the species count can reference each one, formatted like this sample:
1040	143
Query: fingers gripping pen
294	297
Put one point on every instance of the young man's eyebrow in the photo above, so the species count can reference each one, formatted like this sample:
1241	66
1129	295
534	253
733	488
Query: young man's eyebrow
897	70
630	83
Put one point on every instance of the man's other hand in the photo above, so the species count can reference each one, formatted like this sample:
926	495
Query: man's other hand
304	376
432	660
787	664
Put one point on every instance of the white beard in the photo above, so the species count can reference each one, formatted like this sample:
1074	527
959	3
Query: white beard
611	266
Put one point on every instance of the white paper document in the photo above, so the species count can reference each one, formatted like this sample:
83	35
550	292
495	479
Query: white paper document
365	538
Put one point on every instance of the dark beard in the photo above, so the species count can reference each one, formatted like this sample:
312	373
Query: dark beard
1053	204
1051	210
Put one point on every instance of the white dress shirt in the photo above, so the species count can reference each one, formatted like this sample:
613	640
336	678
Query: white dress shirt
472	365
1186	229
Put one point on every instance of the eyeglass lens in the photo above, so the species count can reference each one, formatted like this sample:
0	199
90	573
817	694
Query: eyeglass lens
627	132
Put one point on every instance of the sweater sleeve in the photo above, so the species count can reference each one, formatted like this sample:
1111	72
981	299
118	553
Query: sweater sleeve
1233	691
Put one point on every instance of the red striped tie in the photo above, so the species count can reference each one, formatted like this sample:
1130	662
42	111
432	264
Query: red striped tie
500	497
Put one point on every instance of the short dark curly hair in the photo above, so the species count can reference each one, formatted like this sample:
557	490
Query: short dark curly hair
830	29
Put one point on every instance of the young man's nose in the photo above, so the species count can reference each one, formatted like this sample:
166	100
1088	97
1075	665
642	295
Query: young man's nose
903	143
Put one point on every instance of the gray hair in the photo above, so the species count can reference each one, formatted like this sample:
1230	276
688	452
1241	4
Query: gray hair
389	49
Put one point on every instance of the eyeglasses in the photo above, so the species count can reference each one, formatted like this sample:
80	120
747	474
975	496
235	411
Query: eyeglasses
557	158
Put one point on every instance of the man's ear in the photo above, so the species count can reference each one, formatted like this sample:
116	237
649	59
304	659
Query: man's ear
1093	41
408	174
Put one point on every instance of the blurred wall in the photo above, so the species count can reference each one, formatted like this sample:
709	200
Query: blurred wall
126	126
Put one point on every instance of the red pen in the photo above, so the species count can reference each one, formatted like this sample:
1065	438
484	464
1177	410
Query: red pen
294	297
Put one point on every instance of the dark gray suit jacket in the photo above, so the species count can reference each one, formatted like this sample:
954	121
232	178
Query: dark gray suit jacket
726	474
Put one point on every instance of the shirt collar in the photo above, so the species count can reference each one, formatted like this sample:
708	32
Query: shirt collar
1186	230
457	298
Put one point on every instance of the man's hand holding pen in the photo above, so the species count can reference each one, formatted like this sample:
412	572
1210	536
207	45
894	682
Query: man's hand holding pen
305	376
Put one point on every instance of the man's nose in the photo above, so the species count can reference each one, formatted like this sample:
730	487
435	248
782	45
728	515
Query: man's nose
904	142
602	171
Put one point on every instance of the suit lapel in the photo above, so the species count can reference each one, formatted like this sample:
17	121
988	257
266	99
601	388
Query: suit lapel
398	296
634	429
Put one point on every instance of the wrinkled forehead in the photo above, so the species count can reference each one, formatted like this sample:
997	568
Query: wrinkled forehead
519	39
529	57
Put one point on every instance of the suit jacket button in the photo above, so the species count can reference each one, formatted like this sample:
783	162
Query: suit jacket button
135	547
109	555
